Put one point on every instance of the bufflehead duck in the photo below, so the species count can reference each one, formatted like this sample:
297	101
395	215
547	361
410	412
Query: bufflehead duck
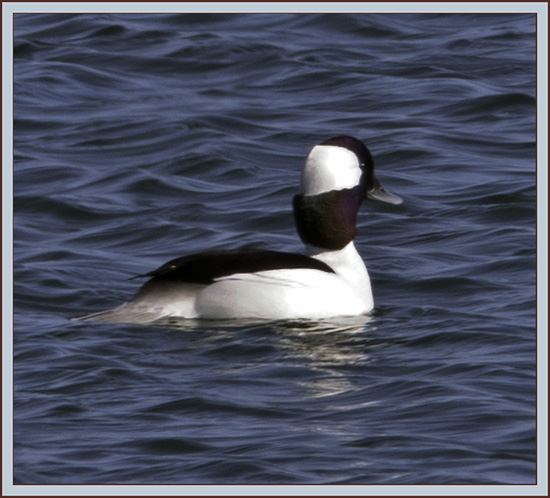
330	281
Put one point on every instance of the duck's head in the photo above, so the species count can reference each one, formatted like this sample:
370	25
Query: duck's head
338	175
343	163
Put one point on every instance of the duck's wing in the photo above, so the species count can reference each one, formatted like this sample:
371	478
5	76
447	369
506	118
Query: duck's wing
206	267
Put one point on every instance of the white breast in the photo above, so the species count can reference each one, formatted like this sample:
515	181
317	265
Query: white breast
350	268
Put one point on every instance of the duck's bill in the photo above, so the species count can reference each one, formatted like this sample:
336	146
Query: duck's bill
379	193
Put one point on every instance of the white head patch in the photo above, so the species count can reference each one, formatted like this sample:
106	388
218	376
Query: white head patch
329	167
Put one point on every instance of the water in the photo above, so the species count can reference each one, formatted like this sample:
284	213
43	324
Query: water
139	138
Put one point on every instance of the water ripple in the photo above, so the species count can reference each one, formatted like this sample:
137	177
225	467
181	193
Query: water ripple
139	138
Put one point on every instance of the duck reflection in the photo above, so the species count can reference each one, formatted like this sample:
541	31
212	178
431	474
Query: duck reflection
326	343
328	348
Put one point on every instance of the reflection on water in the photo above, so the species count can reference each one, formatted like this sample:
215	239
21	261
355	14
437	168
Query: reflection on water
327	345
321	345
328	342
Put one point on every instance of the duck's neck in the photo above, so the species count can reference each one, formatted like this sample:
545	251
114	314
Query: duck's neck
327	220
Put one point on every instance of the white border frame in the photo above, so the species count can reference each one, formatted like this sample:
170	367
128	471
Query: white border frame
540	489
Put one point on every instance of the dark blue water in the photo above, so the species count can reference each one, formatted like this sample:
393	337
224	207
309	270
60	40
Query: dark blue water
139	138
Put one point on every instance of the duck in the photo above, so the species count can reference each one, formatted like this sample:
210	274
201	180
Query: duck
329	279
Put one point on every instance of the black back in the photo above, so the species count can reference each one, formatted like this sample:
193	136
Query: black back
205	267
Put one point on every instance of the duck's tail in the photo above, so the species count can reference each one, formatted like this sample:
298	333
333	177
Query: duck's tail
126	313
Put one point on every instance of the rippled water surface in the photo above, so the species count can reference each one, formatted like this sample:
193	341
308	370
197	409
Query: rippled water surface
139	138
